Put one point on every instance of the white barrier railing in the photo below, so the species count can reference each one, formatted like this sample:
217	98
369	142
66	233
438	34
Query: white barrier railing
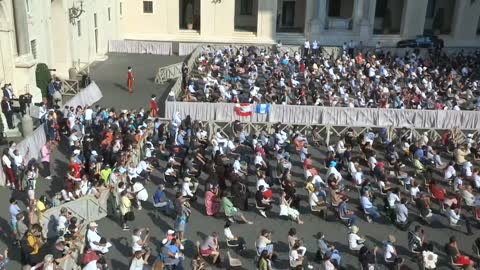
140	47
342	116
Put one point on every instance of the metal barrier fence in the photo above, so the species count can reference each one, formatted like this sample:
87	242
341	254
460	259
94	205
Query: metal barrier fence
169	72
87	208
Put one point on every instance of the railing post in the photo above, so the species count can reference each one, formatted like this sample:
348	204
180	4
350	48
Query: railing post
327	128
211	129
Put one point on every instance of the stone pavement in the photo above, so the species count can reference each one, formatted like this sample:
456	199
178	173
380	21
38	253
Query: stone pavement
111	77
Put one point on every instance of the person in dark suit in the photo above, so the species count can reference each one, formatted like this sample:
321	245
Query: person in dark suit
7	110
7	91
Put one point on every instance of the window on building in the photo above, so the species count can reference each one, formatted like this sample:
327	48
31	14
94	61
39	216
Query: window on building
246	7
109	14
95	20
33	47
147	6
189	16
380	8
121	9
79	28
334	8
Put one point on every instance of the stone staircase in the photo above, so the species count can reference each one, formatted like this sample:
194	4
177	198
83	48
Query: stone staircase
291	38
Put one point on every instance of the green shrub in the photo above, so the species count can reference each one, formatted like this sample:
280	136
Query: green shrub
43	76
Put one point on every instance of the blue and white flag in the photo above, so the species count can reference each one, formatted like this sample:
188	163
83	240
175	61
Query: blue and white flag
263	108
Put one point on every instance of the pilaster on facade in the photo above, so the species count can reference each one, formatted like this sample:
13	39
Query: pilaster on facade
413	18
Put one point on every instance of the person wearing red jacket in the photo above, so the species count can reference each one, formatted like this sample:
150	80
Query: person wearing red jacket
153	106
130	80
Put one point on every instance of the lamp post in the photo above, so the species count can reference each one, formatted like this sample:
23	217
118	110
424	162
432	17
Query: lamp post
75	12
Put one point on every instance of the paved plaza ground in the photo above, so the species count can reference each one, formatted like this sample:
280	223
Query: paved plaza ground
110	76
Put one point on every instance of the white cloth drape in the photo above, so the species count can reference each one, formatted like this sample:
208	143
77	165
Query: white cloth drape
140	47
338	116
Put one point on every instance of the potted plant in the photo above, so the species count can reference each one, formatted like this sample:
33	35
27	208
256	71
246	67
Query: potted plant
387	21
189	16
438	21
43	77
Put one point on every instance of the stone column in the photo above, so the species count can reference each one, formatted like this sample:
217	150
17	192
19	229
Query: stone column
21	27
358	14
318	23
413	18
464	27
267	21
362	18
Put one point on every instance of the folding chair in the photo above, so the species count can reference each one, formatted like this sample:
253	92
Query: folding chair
233	262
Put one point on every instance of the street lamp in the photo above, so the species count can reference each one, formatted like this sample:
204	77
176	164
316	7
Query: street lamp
75	12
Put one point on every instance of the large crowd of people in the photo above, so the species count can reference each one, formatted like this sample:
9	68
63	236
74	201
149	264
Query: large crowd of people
358	77
116	152
112	156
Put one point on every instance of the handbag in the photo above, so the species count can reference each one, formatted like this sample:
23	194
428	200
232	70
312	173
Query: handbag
89	256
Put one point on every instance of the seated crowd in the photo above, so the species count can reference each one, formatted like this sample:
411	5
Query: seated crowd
389	179
369	78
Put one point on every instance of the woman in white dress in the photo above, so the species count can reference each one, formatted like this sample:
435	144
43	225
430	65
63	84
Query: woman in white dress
286	210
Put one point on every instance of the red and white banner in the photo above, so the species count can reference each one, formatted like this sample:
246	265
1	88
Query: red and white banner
243	109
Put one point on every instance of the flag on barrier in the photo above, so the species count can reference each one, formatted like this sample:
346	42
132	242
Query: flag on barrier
243	109
262	108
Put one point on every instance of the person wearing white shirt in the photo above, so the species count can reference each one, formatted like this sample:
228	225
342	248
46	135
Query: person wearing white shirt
467	195
188	188
17	158
306	48
340	148
191	88
390	254
358	177
467	169
393	198
140	192
457	184
42	112
355	242
237	167
449	172
453	214
372	162
95	240
262	182
259	162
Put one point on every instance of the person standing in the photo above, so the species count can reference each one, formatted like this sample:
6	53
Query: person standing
7	110
8	170
14	211
130	80
306	48
153	106
46	160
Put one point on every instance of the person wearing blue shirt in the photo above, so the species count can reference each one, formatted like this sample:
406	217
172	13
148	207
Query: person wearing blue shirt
369	208
161	201
344	213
